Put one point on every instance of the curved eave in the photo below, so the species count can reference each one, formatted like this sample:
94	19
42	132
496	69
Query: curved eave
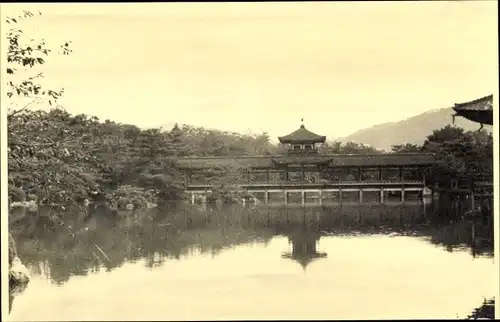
305	259
483	117
479	110
302	136
285	140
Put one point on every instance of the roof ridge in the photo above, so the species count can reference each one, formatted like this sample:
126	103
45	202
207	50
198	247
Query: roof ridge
302	135
477	100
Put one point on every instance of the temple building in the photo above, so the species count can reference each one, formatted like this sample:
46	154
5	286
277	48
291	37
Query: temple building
479	110
302	170
302	142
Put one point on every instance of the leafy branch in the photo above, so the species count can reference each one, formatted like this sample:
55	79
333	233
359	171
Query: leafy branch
25	54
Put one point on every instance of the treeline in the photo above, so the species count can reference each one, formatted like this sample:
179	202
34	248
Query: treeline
56	158
461	157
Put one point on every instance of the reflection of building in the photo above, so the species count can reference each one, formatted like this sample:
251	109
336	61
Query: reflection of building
304	248
303	170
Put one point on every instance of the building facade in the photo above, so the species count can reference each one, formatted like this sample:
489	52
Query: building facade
302	169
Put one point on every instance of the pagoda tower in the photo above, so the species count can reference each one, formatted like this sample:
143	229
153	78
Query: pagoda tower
302	141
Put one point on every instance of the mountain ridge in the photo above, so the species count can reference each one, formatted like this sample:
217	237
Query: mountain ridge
412	130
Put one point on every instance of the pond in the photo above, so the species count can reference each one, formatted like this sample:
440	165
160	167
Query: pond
235	263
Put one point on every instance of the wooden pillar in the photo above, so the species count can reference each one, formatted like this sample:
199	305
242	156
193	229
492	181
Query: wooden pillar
424	184
303	175
266	197
320	197
186	181
286	175
285	195
381	195
472	194
401	178
380	173
359	174
360	195
473	233
303	197
192	198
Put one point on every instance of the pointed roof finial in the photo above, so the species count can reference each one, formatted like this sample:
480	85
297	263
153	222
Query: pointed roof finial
302	125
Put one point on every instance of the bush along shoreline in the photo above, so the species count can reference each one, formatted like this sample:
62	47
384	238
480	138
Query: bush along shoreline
59	160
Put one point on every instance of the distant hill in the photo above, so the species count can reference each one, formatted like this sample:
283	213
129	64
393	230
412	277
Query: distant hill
412	130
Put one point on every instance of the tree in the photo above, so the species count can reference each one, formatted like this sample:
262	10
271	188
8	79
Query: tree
23	56
406	148
356	148
444	134
460	155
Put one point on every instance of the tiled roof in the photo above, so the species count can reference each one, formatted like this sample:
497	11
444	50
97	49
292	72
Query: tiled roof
346	160
302	135
214	162
301	159
390	159
480	104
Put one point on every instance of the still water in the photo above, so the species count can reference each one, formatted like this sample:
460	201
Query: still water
354	262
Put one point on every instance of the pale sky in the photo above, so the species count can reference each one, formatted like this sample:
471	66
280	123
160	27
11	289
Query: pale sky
263	66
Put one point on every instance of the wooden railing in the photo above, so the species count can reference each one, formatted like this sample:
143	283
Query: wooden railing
324	183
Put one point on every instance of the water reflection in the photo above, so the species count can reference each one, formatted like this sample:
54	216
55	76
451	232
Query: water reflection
105	241
91	243
304	248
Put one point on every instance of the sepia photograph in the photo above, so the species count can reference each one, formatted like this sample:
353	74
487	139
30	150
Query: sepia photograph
295	160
